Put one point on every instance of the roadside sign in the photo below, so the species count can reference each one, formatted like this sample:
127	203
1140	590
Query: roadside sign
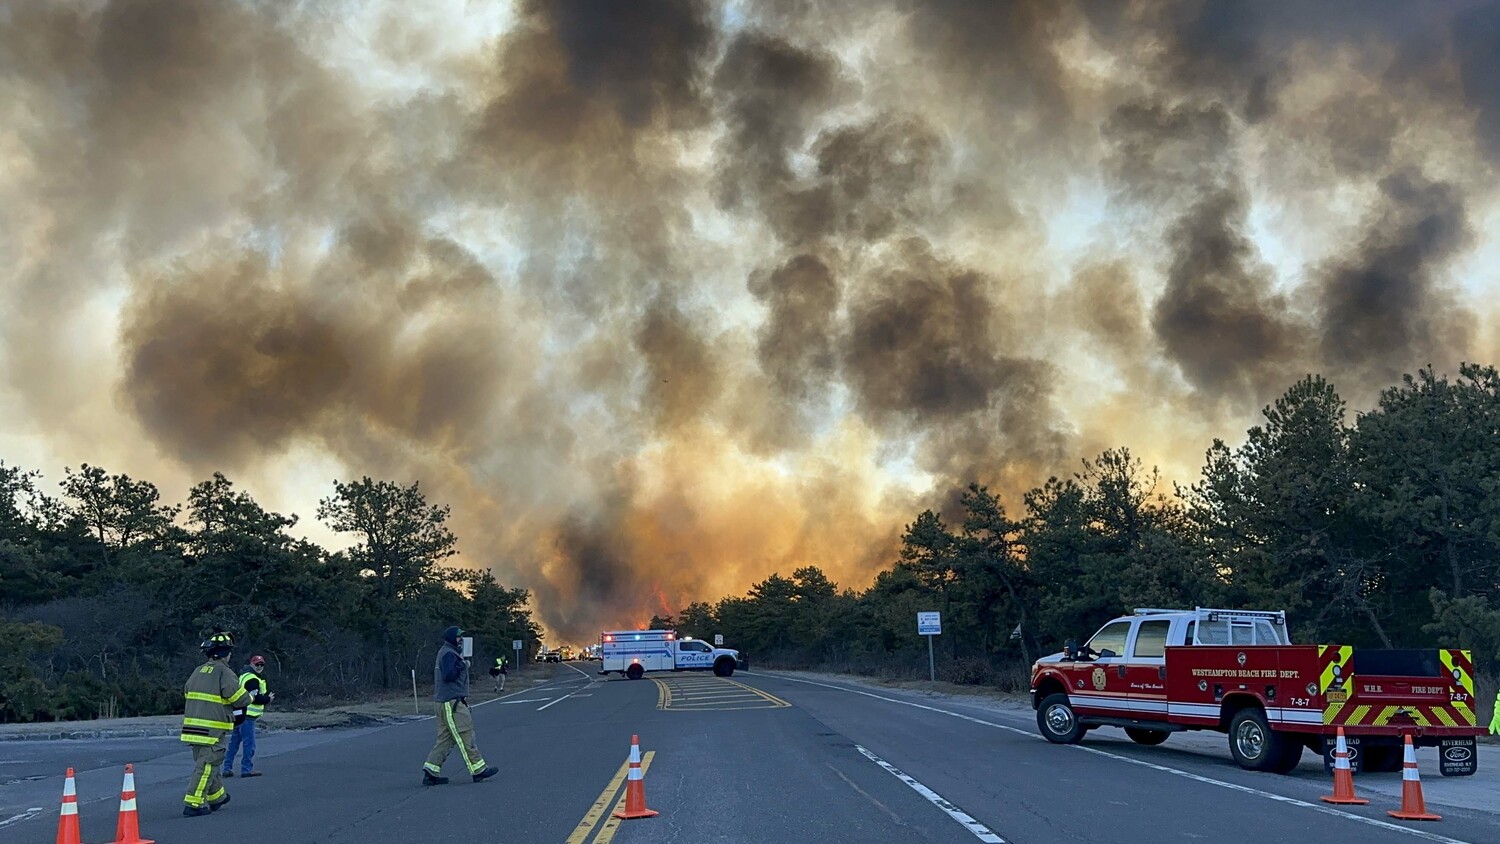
468	647
718	639
930	624
516	644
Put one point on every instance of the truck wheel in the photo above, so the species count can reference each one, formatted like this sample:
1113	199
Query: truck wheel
1254	745
635	671
724	668
1291	756
1057	720
1146	737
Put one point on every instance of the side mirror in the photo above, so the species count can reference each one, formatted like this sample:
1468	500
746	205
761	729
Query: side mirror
1106	653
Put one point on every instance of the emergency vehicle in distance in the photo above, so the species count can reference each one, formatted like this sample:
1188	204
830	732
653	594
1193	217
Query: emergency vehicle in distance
1162	671
634	652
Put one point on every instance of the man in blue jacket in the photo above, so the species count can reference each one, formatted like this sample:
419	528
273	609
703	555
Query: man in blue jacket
455	726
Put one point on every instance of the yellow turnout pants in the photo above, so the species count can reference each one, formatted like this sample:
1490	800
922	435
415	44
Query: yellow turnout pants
455	728
205	786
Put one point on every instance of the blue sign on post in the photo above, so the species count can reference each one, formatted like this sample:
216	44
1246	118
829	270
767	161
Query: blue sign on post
930	624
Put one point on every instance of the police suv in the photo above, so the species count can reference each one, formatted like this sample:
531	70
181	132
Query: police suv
634	652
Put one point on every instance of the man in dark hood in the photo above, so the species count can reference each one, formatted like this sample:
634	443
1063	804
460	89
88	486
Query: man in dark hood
455	725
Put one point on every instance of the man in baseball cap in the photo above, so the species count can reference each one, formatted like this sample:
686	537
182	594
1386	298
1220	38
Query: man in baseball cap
257	696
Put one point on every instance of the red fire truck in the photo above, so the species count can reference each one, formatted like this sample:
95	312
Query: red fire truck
1162	671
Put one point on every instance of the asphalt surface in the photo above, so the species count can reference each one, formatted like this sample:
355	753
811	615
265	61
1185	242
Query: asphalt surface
761	757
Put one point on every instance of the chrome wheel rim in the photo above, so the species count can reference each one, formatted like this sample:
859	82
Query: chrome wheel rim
1250	739
1059	719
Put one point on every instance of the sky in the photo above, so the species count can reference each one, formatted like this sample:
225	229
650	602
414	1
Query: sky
663	297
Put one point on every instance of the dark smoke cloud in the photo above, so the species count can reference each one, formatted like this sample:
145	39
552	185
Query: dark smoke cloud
1476	37
1384	305
1001	54
922	346
222	365
663	297
582	75
772	92
795	345
683	378
1217	318
1160	154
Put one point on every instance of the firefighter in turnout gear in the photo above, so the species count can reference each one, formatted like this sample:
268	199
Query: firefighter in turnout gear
455	726
212	694
257	695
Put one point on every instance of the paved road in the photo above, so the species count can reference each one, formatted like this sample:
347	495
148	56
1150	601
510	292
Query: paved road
761	757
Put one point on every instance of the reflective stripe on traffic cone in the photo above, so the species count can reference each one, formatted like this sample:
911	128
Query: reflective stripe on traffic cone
127	828
635	786
1412	806
1343	776
67	822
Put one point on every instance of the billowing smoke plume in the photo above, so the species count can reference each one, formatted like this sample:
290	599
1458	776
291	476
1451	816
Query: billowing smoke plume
663	297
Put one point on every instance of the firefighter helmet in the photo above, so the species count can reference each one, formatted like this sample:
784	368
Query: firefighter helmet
217	646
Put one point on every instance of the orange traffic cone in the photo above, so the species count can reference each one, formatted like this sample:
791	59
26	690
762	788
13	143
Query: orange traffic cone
67	823
127	828
1412	806
1343	776
635	786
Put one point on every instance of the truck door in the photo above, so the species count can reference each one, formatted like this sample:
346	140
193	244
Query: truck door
1100	687
693	654
1146	669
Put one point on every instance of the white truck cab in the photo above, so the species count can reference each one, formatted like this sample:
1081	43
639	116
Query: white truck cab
632	653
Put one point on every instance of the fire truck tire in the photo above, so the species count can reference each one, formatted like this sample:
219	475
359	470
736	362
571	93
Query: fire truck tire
1291	756
1057	720
1146	737
635	671
724	667
1257	747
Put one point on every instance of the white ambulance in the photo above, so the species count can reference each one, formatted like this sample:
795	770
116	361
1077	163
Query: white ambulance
634	652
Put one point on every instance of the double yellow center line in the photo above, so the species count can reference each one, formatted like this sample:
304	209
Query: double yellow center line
602	808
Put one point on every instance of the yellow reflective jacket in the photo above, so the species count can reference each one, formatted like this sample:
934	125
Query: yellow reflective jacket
1495	721
253	709
211	692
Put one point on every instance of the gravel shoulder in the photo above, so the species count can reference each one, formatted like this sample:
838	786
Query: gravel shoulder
381	708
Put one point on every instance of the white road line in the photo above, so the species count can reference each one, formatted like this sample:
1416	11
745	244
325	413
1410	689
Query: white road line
499	699
1244	789
581	671
29	814
589	684
524	700
980	831
559	700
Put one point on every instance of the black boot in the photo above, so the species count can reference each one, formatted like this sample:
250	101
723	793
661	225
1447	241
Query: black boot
214	807
486	773
196	811
429	779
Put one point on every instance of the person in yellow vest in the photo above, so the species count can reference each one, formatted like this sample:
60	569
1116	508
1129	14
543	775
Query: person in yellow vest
211	695
498	671
1495	721
257	695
